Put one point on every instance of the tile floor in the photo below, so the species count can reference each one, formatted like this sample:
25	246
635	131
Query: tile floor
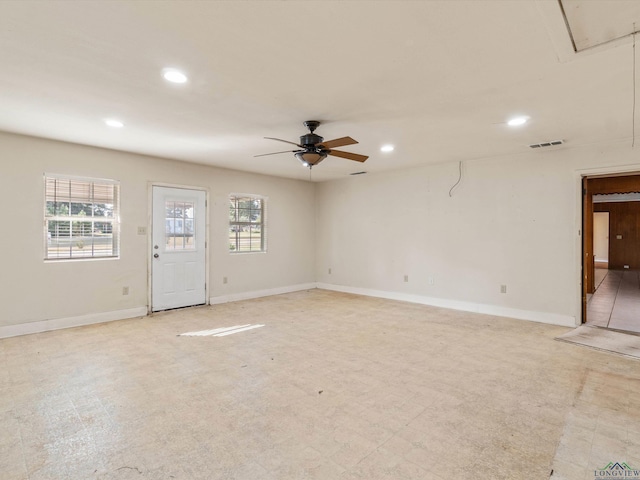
616	301
613	341
334	386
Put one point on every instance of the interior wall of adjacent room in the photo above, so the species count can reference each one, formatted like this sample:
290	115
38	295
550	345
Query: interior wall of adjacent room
600	236
511	221
35	290
624	239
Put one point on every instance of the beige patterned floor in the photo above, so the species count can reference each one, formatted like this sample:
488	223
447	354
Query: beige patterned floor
334	386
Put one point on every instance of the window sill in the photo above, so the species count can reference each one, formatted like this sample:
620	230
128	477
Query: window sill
84	259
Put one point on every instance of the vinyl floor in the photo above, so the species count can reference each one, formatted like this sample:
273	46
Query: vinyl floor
334	386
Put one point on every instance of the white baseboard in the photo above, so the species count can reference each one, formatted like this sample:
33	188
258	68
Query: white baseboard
542	317
234	297
58	323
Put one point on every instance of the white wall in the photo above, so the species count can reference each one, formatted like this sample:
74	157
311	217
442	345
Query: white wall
512	221
32	290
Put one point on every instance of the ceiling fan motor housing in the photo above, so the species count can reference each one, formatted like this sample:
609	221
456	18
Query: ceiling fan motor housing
310	139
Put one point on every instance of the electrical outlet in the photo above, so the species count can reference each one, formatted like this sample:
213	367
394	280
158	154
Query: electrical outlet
125	290
626	266
329	271
503	289
431	281
224	279
406	278
142	230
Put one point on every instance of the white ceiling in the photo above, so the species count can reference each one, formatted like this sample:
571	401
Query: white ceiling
595	23
436	78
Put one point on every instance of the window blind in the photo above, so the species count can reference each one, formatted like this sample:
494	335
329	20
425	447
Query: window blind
81	218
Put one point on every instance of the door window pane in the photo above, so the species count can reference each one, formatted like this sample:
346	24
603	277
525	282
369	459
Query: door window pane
179	226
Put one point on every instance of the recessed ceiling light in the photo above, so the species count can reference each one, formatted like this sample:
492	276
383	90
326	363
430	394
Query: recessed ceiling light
517	121
112	122
174	76
387	148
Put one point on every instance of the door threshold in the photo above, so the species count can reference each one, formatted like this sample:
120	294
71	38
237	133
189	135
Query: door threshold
178	308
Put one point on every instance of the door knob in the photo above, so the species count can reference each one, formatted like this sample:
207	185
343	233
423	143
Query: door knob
155	255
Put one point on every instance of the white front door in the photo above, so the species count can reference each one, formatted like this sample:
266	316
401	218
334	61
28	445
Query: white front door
178	249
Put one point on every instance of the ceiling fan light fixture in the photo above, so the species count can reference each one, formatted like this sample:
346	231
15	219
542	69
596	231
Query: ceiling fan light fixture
387	148
310	159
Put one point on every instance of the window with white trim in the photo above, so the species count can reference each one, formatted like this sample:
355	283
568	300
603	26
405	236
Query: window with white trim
81	218
247	223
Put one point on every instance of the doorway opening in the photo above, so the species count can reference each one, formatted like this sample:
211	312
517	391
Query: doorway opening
611	252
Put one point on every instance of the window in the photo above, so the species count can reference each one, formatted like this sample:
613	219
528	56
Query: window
247	224
81	218
179	225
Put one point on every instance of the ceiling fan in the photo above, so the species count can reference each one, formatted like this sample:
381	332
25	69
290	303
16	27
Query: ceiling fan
312	148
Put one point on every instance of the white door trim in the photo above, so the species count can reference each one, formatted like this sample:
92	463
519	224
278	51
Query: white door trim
150	186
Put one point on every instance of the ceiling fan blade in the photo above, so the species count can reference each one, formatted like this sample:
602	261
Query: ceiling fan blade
338	142
285	141
349	156
276	153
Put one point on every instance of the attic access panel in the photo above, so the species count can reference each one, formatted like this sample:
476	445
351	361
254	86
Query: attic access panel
595	23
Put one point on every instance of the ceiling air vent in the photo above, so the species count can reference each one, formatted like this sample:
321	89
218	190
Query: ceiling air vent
358	173
546	144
